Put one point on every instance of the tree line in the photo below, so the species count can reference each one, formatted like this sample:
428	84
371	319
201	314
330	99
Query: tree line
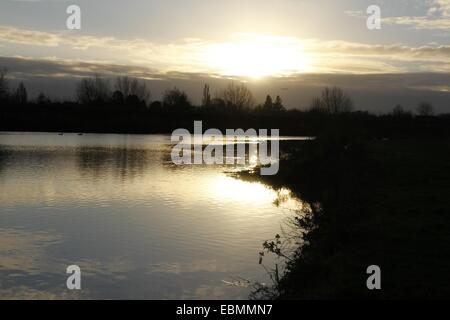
133	92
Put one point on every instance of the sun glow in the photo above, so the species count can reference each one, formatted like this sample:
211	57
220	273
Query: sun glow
256	56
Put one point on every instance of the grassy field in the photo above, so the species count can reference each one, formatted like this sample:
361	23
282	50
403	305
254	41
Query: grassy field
383	202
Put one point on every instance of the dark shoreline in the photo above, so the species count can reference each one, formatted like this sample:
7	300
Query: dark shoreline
112	119
382	203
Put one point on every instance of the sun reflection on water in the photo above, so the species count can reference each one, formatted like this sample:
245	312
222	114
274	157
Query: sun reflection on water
119	209
232	189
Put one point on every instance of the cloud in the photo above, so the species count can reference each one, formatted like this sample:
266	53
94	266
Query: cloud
29	37
420	23
182	55
201	56
440	8
437	17
397	51
53	67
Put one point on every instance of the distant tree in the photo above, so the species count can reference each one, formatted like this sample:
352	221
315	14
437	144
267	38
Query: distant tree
4	88
218	103
238	97
118	97
278	105
425	109
133	87
335	101
398	111
21	95
317	105
42	99
93	90
156	105
268	104
176	98
271	106
206	100
133	100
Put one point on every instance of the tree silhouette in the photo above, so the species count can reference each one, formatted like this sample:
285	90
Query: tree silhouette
317	105
268	104
278	105
206	100
118	97
218	103
333	101
4	89
398	111
42	99
132	87
133	100
425	109
156	106
21	96
271	106
176	98
238	97
93	90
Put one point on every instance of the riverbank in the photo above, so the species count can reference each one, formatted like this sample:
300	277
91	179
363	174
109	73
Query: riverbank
382	202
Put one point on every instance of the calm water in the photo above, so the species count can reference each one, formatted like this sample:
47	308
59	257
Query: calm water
137	226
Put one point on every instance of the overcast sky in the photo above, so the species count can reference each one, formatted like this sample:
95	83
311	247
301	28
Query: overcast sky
287	47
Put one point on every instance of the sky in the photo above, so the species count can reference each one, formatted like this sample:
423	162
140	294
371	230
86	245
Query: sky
289	47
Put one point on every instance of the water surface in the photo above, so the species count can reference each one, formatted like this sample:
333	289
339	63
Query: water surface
138	226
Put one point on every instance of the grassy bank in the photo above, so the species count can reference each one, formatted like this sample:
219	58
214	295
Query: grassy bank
382	202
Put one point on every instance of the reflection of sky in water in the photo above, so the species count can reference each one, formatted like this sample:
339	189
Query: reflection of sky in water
137	226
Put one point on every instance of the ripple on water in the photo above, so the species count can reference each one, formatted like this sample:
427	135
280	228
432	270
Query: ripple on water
139	227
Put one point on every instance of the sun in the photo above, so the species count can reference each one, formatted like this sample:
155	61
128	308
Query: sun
257	56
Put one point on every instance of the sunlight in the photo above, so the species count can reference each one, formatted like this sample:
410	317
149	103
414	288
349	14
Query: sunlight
231	189
257	56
